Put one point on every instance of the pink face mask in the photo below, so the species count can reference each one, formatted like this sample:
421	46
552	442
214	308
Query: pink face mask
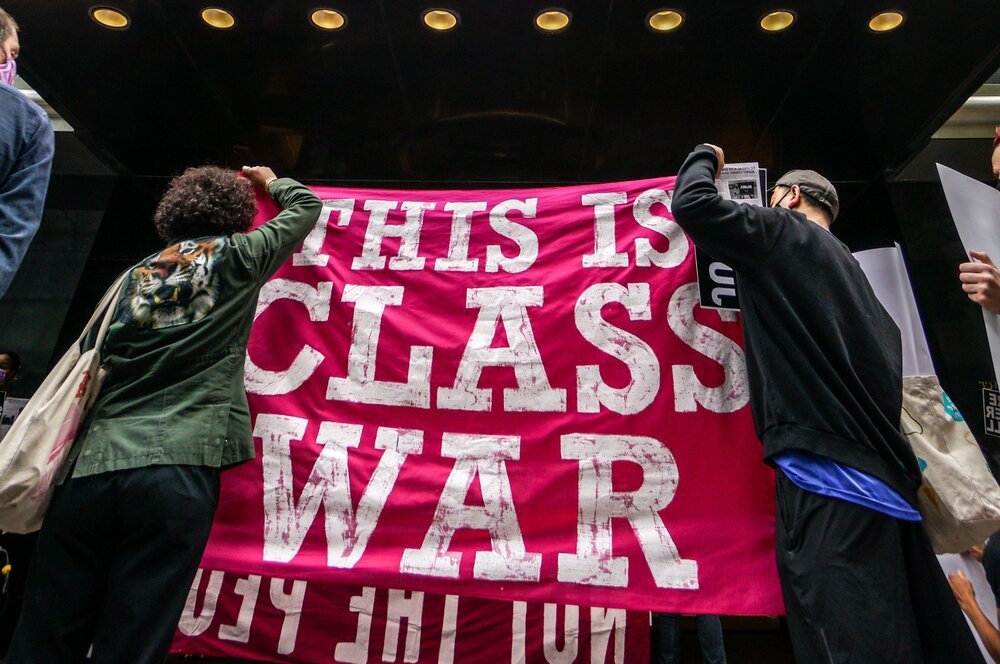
8	70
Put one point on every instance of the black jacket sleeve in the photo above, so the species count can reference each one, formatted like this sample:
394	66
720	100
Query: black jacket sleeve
739	235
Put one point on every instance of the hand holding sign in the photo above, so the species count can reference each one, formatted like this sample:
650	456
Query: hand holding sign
259	176
981	281
720	156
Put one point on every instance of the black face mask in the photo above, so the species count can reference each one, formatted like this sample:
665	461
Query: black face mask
778	203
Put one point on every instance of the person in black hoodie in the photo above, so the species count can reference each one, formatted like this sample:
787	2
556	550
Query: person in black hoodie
858	575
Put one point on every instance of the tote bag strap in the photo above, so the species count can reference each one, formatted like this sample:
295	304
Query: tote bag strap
107	307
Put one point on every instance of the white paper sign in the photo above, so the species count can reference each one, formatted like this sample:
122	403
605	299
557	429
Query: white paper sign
740	182
975	207
12	407
887	274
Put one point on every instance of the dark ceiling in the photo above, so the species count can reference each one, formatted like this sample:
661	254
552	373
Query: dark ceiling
495	100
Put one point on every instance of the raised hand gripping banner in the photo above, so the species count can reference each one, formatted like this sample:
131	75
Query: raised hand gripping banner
486	422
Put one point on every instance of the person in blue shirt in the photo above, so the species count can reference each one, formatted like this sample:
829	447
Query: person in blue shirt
859	578
26	147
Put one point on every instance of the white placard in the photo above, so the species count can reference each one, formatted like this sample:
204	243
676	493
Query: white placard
887	274
740	182
975	207
12	407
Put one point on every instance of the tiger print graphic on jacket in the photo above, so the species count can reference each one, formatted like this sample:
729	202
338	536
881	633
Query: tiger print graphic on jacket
177	286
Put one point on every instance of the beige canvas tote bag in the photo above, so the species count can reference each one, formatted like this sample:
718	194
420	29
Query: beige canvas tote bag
40	439
959	499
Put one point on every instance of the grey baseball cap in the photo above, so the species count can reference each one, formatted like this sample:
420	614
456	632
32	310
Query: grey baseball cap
815	186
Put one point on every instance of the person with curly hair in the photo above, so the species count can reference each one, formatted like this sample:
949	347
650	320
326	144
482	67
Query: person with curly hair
204	201
128	523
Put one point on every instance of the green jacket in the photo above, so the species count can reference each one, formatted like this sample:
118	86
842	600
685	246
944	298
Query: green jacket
175	350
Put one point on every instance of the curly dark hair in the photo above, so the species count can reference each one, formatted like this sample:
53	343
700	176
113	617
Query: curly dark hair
207	200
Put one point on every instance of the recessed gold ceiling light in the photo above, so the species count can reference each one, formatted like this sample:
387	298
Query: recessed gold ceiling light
777	21
327	19
440	19
552	20
109	17
218	18
665	20
885	21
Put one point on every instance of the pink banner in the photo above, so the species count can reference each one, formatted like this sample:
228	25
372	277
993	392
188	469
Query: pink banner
281	620
505	394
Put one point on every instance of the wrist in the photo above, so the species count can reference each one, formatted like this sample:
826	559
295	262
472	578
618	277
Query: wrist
268	182
712	151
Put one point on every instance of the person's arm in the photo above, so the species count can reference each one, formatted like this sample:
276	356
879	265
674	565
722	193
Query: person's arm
270	245
739	235
22	200
966	596
981	281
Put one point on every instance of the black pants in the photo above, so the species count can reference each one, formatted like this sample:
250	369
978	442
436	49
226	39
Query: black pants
113	566
860	586
19	550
